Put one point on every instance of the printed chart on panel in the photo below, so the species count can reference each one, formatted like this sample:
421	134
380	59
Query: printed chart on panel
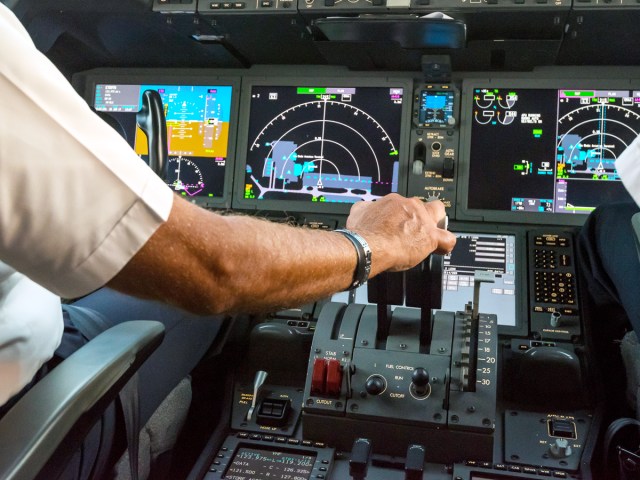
323	144
197	131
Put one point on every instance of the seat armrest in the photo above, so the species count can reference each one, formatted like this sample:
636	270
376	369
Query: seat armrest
63	406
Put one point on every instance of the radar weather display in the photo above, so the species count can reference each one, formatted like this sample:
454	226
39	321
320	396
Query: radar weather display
550	150
323	144
198	121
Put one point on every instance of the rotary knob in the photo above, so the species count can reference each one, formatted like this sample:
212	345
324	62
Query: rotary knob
561	448
420	377
420	387
375	385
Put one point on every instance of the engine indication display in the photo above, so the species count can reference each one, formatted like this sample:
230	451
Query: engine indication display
551	150
323	144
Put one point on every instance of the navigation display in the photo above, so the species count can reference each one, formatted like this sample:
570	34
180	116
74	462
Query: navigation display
548	150
198	123
315	144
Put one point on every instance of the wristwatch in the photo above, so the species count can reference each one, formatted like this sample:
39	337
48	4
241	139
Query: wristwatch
363	268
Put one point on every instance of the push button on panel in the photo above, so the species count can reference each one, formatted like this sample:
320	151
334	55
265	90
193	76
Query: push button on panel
326	377
318	376
334	378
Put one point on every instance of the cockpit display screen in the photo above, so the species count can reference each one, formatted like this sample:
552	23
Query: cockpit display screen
317	144
435	108
488	253
259	464
548	150
198	123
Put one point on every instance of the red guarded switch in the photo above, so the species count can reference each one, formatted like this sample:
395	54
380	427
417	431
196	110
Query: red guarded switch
334	378
318	376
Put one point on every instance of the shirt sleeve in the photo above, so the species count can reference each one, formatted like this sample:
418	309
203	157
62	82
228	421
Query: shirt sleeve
30	330
76	202
628	167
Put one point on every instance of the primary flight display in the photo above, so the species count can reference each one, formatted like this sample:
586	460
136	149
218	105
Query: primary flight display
198	124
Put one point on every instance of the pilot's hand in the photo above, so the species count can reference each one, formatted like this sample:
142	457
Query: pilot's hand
400	231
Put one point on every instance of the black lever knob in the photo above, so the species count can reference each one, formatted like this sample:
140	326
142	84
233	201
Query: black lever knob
359	461
414	464
420	377
375	385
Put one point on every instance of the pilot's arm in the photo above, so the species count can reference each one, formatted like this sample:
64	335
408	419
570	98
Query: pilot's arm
212	263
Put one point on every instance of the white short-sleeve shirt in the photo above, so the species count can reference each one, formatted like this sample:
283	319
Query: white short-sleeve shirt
76	203
628	167
30	329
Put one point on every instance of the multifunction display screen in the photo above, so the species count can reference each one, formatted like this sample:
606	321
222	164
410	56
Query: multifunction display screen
435	108
198	122
488	253
323	144
549	151
261	464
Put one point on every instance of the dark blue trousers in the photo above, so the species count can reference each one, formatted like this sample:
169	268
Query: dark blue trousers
609	262
187	339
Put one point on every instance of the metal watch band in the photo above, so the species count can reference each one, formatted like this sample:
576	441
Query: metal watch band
363	268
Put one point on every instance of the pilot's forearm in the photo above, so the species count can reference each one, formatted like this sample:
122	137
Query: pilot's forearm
209	263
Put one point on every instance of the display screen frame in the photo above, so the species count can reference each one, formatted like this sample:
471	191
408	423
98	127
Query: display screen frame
463	210
87	82
293	81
